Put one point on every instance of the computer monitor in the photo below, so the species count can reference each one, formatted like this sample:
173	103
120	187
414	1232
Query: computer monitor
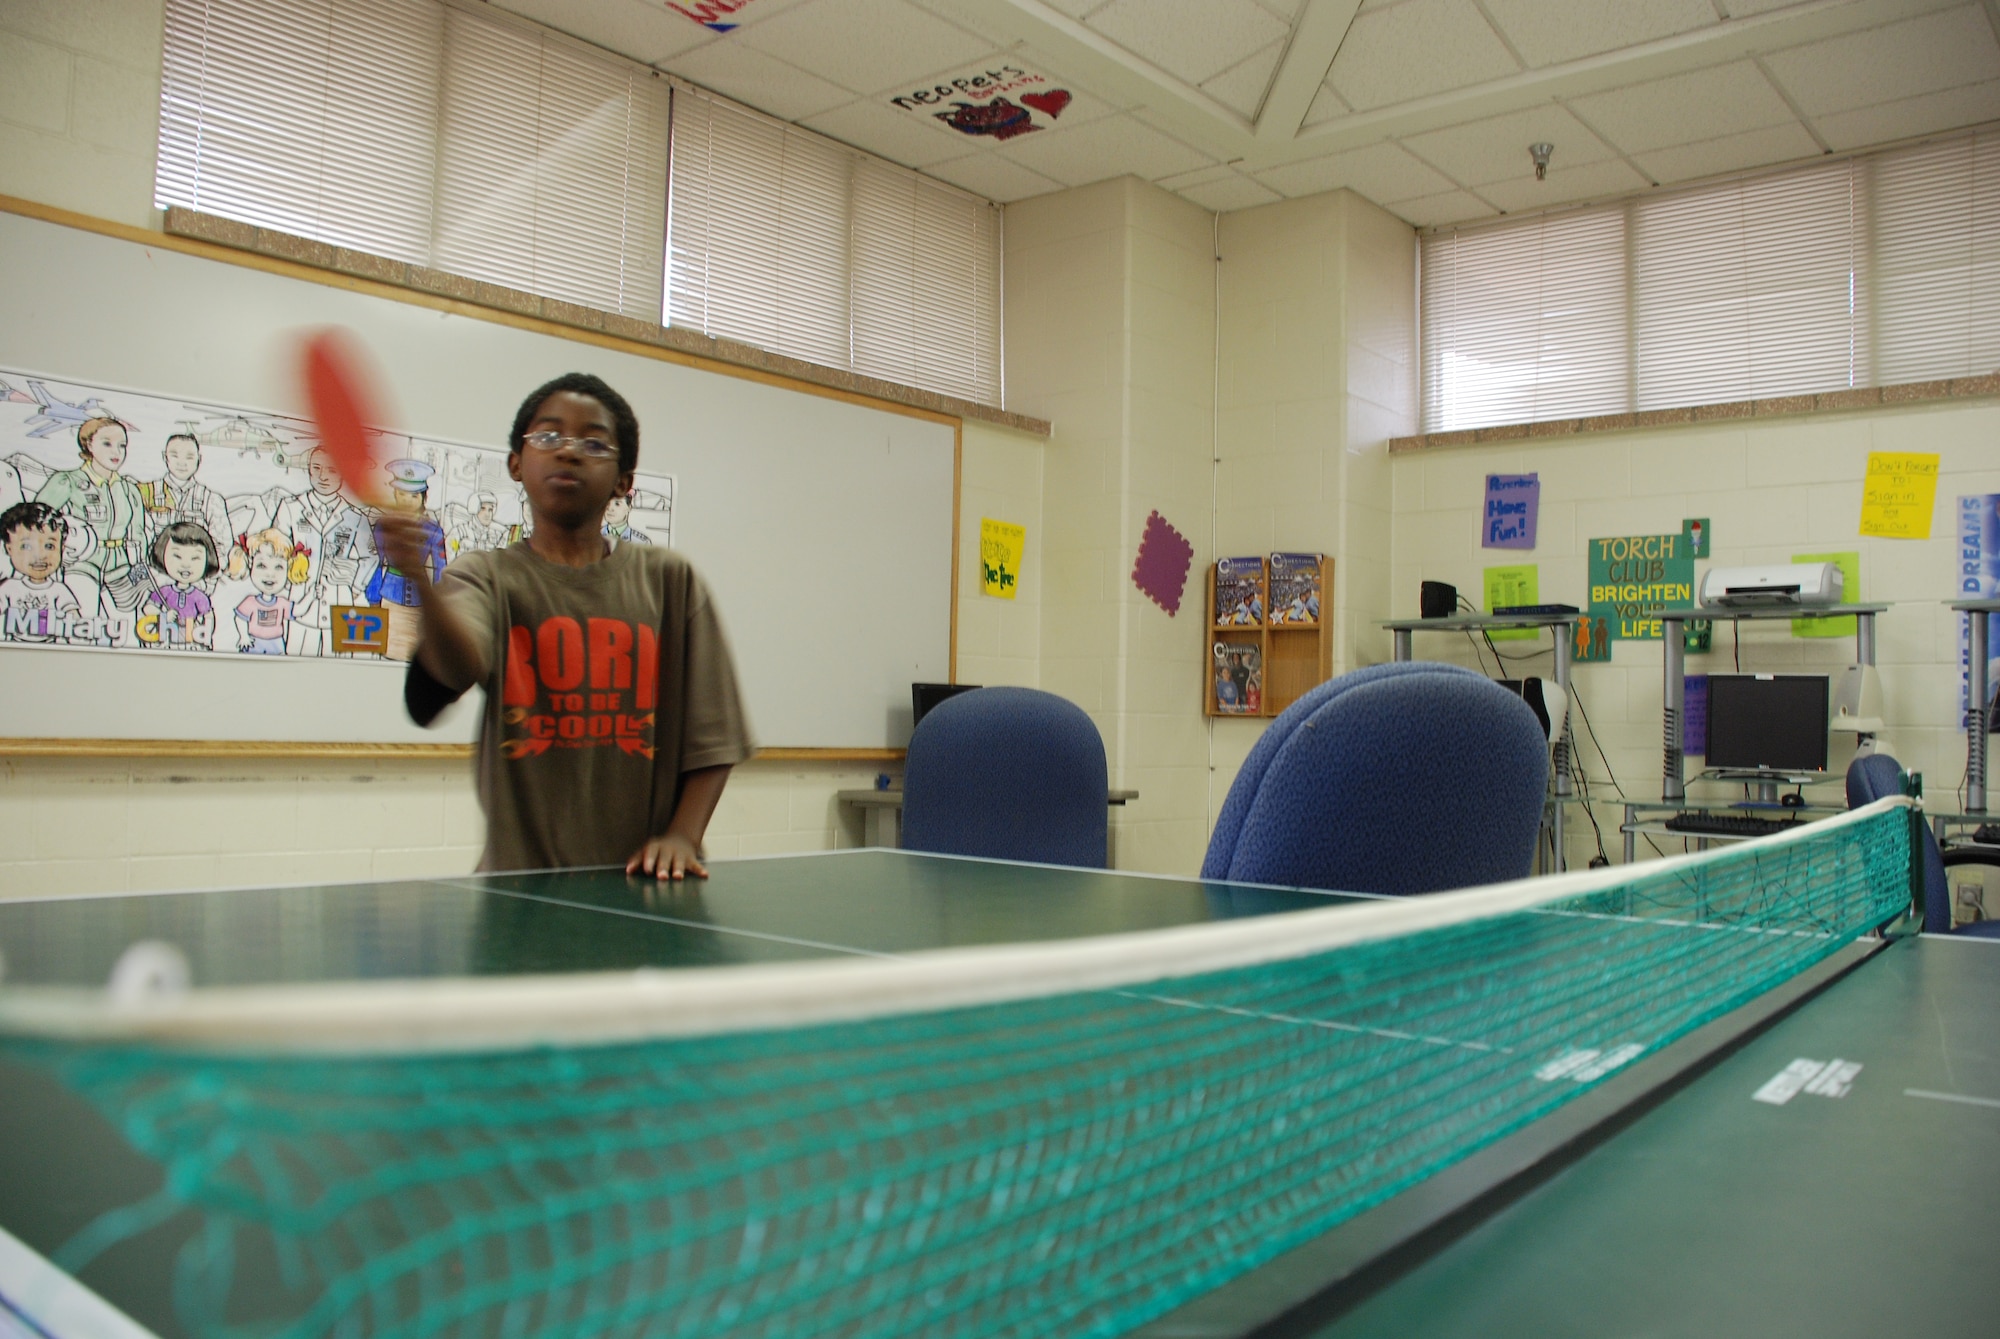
924	696
1767	722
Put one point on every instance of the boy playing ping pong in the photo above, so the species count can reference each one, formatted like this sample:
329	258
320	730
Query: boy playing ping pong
612	714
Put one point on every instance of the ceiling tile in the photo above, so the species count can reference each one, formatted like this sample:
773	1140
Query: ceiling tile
1564	186
1201	176
1417	48
1327	105
868	46
1380	172
1496	149
994	177
1743	9
1241	87
1548	32
1098	150
1685	108
764	82
1902	60
1451	207
647	33
1231	192
888	133
1189	39
1949	110
1063	72
1731	153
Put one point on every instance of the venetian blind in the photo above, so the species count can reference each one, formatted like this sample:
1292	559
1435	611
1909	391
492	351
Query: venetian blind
926	283
430	133
789	241
757	231
1937	269
1525	323
1745	290
1869	271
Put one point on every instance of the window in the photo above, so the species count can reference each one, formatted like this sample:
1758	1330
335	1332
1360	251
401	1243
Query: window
451	136
1870	271
780	238
757	236
1937	265
413	129
1745	290
1528	324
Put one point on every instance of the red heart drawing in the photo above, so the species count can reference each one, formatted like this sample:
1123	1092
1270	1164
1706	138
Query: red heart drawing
1049	104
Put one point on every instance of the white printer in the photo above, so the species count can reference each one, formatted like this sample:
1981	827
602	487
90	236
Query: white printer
1774	584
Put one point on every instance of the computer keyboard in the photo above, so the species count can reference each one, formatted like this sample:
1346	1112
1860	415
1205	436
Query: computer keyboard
1987	834
1729	825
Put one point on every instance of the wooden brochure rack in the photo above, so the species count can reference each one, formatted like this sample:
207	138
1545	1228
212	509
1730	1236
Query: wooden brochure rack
1288	658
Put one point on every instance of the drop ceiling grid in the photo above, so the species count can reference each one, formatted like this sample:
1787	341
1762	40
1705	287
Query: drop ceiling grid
833	65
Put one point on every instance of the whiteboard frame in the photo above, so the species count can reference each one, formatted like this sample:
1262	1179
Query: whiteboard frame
293	269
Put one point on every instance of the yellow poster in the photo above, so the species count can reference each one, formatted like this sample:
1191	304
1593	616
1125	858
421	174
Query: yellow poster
1899	494
1840	625
1000	549
1519	583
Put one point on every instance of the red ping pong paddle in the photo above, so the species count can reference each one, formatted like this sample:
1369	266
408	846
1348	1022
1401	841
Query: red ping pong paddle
343	411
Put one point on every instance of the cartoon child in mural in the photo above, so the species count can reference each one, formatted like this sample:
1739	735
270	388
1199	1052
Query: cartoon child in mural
182	616
618	527
36	604
109	508
335	536
479	532
178	496
389	586
274	564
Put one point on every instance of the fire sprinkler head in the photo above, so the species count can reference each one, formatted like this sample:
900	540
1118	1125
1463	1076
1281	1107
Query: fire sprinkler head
1540	153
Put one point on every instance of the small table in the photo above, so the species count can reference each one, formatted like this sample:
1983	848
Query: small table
882	812
1558	625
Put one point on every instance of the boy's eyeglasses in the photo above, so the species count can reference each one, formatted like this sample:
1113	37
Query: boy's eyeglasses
594	447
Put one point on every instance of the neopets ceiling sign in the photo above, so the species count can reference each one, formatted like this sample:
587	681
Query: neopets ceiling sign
996	101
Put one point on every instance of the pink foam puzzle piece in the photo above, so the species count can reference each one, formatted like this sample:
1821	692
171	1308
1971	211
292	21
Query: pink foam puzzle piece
1161	569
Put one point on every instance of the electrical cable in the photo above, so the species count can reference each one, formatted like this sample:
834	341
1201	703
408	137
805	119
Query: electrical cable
1609	774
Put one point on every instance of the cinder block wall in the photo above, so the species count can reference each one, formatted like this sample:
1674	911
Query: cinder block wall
1771	489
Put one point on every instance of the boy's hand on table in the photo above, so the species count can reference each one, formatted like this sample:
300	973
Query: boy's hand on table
669	857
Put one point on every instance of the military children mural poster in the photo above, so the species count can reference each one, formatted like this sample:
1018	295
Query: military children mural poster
159	526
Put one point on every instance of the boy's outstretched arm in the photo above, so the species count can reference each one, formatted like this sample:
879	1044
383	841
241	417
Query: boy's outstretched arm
676	853
450	650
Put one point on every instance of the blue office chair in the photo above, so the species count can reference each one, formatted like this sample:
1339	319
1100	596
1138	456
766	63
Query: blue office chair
1236	806
1404	778
1009	773
1875	775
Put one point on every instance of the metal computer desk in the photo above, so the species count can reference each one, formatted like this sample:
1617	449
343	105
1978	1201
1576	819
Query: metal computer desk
1673	700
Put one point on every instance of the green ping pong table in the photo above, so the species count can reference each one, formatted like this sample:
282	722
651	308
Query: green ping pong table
1824	1160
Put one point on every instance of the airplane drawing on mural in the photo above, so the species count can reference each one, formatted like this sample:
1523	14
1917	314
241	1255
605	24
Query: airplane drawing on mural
53	413
152	525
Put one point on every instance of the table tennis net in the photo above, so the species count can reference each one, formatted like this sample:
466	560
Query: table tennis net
1072	1164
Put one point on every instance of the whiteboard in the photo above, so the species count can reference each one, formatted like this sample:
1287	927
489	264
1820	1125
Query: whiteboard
823	527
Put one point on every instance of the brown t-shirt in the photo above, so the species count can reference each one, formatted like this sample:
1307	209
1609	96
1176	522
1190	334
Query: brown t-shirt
604	684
